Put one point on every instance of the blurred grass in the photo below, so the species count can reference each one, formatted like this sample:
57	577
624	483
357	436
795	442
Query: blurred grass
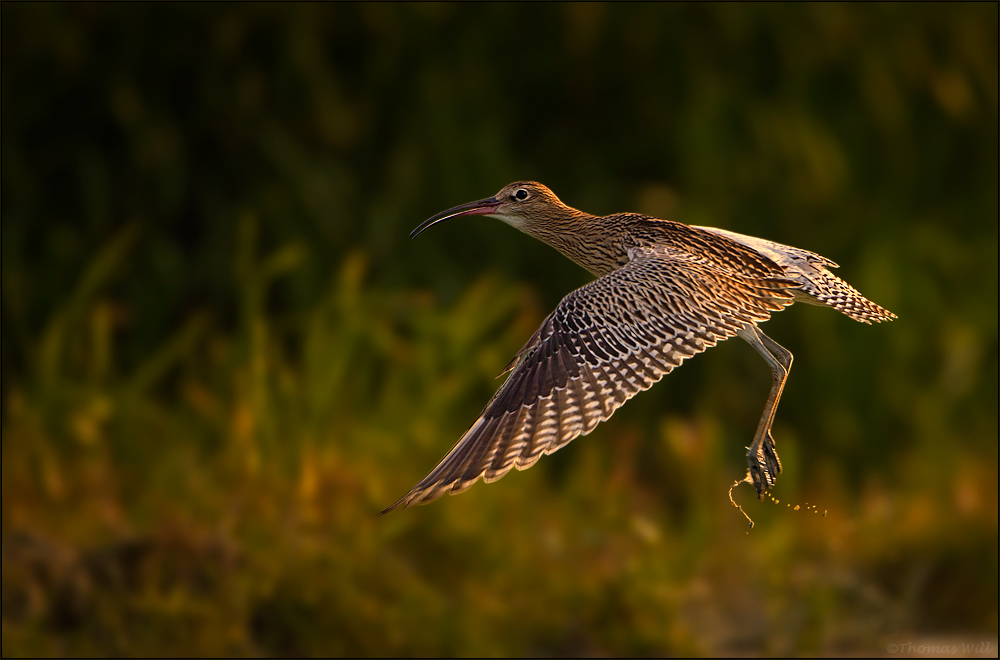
221	357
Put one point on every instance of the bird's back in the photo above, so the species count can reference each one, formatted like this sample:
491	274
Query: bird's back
810	271
603	244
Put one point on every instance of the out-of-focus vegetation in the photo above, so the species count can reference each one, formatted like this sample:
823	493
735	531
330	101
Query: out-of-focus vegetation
221	355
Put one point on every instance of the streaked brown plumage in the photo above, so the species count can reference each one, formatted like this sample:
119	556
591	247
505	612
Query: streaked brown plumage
664	292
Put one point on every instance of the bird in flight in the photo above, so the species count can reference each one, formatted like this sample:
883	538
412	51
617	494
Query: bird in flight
664	292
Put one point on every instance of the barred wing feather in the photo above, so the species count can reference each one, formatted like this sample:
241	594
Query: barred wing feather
603	344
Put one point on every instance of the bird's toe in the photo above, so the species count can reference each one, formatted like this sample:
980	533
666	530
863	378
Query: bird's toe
764	466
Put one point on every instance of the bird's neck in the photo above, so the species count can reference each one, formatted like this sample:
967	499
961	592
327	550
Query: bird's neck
585	239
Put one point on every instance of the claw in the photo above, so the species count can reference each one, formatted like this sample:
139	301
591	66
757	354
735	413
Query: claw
764	465
771	457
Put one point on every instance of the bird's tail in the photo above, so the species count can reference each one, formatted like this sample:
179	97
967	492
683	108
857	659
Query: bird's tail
822	287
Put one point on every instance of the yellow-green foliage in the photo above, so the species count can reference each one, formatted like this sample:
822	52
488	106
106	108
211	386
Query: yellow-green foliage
222	357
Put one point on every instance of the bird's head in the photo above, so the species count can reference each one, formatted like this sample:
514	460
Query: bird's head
520	204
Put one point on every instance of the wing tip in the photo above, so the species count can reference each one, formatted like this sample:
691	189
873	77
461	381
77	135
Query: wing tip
427	494
400	503
415	498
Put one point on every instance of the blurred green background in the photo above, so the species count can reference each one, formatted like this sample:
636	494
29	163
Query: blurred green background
222	356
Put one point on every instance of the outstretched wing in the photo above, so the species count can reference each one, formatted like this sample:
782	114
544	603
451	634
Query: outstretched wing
603	344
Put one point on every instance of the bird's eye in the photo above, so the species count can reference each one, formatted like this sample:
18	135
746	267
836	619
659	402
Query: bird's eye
521	194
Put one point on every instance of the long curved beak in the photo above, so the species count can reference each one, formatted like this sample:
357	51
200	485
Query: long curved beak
482	207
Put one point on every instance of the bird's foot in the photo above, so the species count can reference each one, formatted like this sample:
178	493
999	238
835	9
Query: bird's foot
764	465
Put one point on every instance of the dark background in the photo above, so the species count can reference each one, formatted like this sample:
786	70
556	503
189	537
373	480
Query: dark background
222	356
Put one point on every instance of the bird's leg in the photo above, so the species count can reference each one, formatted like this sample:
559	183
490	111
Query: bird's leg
762	458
